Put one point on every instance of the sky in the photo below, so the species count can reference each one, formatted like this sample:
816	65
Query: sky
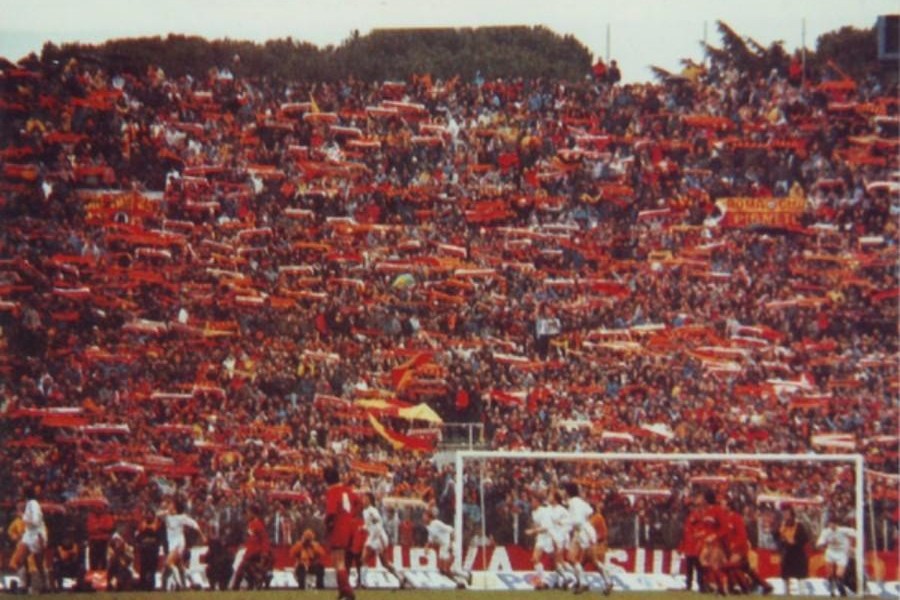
641	32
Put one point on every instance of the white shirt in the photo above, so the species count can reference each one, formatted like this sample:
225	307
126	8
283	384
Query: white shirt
372	520
175	525
560	518
33	517
542	517
579	512
836	540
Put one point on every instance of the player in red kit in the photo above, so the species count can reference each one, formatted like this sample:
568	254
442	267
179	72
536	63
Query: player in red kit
257	546
737	549
713	528
691	544
340	524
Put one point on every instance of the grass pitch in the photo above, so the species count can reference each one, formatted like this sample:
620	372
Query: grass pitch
414	594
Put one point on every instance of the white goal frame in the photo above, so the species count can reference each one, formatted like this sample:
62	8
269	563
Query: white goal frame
857	460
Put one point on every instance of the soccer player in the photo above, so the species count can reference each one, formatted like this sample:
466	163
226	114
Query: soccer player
691	543
582	537
837	543
440	538
713	531
340	508
177	522
353	557
559	531
542	523
377	541
33	541
598	552
256	551
737	551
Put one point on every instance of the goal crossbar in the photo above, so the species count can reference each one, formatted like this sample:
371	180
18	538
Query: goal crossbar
857	460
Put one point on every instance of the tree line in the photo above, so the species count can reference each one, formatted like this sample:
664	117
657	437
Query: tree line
382	55
398	54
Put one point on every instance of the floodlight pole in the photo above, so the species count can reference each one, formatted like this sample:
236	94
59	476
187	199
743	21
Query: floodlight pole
607	43
458	512
860	529
803	52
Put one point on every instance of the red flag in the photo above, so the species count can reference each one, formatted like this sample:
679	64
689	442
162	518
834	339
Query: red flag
400	441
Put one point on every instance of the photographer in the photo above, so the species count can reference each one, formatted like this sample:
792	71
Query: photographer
309	557
119	558
68	562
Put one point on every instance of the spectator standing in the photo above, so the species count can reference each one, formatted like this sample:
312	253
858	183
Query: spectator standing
147	538
406	531
219	564
100	527
792	538
615	75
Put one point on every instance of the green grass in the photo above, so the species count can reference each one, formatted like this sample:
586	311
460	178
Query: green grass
385	595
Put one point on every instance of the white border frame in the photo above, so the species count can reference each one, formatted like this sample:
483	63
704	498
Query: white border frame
856	459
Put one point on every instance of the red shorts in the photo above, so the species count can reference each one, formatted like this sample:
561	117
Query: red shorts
359	540
341	536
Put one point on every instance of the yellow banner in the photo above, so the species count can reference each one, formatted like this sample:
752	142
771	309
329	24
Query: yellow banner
773	212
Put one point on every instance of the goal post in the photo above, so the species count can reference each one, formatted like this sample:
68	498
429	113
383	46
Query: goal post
857	462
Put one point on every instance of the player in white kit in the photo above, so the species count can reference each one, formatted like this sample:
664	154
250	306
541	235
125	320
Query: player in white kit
560	530
542	523
33	541
838	543
440	538
176	522
377	541
583	535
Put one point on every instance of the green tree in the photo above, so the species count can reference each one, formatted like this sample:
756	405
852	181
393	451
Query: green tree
854	51
380	55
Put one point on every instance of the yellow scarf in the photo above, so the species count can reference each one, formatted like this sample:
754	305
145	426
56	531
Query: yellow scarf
788	532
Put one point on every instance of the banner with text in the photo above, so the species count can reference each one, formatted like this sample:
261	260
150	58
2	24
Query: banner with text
766	212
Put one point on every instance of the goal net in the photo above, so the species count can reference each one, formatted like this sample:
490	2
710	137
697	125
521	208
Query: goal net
645	500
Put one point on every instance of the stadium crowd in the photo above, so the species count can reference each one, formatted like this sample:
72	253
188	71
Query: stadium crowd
216	286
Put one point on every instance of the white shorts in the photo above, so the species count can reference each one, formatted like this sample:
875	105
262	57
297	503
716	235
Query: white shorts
444	553
177	548
35	542
544	543
585	537
837	558
377	541
560	538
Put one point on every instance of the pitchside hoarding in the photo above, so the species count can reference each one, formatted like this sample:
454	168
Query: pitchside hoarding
511	568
